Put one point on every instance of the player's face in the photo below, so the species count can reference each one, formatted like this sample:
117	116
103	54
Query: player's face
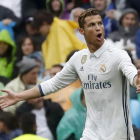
93	30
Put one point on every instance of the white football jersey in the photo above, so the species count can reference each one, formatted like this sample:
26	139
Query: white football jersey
105	77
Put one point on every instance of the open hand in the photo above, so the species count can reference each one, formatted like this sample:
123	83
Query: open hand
8	100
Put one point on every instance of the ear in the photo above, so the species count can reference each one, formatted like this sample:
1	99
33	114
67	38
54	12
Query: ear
81	30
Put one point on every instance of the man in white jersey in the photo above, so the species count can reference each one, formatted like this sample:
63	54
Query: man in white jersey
104	72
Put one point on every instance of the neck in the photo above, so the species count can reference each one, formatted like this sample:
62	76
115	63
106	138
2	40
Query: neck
93	48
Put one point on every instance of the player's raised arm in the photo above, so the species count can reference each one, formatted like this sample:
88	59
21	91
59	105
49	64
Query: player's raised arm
12	98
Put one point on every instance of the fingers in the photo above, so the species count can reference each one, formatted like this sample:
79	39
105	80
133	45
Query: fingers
3	104
4	90
1	101
2	97
138	89
138	73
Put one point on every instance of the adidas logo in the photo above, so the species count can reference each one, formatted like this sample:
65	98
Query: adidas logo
82	69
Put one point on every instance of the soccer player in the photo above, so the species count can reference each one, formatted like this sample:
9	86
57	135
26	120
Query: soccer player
105	73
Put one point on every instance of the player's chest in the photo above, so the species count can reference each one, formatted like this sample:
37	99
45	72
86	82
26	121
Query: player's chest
95	69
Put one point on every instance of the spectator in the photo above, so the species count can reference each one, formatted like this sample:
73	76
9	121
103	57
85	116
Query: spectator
28	73
28	127
55	7
104	7
75	13
127	28
8	126
45	111
55	49
72	124
138	44
81	3
125	37
37	56
7	52
27	45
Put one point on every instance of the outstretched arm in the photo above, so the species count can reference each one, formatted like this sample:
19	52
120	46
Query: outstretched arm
137	82
67	76
12	98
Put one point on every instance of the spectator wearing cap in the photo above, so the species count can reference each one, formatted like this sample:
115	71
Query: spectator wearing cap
28	73
126	35
128	27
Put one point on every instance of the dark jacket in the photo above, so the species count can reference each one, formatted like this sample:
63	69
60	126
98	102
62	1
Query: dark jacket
138	44
54	113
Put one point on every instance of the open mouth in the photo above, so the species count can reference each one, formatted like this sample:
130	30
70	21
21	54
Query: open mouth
99	36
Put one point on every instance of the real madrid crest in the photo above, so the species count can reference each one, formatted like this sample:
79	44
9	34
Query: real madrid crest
103	68
84	58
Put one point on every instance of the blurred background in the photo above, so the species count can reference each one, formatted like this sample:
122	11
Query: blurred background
37	38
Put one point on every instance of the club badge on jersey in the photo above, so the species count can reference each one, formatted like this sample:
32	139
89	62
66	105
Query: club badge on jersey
103	68
84	58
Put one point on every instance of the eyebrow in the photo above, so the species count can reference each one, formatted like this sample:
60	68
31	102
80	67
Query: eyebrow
95	22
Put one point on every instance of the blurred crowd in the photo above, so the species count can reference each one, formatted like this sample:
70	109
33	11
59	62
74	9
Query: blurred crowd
37	38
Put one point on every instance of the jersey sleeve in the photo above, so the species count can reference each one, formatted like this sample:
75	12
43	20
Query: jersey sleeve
126	66
62	79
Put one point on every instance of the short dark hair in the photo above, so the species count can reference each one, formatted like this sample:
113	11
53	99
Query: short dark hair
40	17
70	55
88	12
27	123
9	120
